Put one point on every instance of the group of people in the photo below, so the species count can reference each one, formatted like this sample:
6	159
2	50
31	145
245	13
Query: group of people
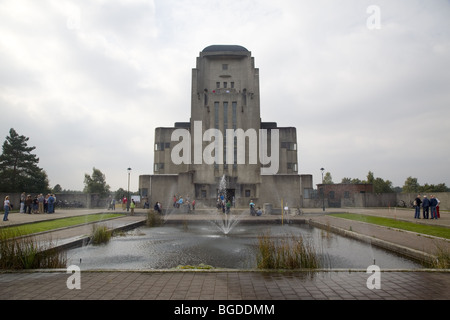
428	205
31	205
180	202
37	204
253	211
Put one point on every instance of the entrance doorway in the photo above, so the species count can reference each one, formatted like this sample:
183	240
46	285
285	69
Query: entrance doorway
231	195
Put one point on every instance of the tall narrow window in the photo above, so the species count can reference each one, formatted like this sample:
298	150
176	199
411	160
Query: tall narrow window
225	115
234	119
225	127
234	108
216	125
216	115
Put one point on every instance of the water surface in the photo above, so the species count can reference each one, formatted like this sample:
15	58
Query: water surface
170	246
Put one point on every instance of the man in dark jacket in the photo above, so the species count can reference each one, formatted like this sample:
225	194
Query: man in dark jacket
433	204
426	207
417	203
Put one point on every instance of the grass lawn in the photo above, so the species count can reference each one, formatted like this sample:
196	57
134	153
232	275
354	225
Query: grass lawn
436	231
42	226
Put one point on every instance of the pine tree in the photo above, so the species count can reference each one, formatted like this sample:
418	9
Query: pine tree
19	171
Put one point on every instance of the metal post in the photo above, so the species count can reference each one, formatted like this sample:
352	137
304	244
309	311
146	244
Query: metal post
128	197
323	191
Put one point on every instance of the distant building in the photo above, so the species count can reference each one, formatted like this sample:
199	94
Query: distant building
258	160
341	194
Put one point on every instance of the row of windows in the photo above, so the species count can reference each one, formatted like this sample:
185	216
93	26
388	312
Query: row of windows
160	146
225	85
203	193
289	145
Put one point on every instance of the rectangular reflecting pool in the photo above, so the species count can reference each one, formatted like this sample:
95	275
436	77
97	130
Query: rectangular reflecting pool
195	243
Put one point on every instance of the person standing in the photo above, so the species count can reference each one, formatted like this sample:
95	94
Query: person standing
35	205
433	204
437	208
132	206
7	207
252	208
51	204
28	204
228	206
426	207
22	202
124	203
41	203
417	203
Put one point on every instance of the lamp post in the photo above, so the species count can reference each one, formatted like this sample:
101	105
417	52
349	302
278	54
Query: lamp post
323	191
128	197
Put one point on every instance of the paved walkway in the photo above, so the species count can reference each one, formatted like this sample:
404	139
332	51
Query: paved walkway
236	284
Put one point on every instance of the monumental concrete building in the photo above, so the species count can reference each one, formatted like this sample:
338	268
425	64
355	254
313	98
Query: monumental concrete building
225	140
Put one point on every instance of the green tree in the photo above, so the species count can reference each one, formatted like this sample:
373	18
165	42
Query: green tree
57	189
370	177
19	169
96	183
351	181
328	179
381	186
411	185
120	193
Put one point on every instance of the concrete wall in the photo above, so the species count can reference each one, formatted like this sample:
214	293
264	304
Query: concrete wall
275	188
76	200
379	200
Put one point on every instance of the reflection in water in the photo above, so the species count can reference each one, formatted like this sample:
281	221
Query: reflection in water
170	246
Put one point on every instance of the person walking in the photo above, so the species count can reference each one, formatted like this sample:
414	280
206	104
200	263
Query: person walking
7	207
426	207
417	203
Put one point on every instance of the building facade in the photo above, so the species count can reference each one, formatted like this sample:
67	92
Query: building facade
225	140
342	194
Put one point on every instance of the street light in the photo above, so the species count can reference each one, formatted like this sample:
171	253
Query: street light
323	191
128	198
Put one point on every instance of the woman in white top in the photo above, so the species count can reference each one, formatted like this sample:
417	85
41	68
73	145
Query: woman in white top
7	207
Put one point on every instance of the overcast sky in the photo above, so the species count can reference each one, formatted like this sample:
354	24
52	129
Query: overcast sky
89	81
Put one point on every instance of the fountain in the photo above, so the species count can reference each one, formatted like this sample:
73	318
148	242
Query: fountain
225	219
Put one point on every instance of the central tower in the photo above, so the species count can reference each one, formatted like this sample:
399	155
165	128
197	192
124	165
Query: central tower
225	98
225	95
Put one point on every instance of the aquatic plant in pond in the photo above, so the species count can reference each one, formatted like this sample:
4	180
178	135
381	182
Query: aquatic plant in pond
100	234
18	252
286	253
